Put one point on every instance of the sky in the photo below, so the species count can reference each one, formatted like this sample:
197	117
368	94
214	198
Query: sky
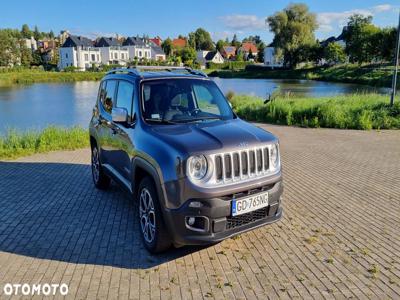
222	18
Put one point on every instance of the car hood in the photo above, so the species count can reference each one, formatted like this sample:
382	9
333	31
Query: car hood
209	137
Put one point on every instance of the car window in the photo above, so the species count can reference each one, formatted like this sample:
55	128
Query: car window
108	99
184	100
125	96
102	92
205	99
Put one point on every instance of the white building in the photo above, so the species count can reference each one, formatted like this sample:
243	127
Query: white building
204	57
31	43
270	58
111	51
78	52
139	48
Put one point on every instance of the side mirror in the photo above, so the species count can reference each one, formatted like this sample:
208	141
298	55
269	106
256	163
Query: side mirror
119	115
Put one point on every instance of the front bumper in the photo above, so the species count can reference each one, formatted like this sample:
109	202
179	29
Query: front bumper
220	223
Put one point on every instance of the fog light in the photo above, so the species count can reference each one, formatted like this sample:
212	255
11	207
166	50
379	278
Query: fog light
191	221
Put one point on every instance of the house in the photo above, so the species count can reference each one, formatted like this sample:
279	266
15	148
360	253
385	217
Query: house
138	48
157	41
30	43
228	52
271	59
179	43
78	52
248	48
204	57
112	51
157	53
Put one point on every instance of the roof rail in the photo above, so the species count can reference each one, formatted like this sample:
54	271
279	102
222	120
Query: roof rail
124	70
136	70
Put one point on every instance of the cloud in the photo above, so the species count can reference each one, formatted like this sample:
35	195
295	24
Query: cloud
329	21
243	22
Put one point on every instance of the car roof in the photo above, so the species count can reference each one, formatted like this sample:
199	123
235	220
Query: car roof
155	73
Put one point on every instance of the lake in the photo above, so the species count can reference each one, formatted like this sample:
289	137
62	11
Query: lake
67	104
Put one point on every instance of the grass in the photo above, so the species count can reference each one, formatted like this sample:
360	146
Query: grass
26	76
15	144
379	76
357	111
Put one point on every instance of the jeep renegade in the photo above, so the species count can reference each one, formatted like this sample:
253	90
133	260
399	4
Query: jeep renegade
199	173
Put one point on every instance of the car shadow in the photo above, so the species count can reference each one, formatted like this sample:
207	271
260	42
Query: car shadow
52	211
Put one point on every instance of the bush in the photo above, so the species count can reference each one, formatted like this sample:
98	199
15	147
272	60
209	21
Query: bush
15	143
359	111
229	65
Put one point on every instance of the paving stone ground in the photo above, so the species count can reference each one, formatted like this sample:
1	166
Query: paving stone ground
339	238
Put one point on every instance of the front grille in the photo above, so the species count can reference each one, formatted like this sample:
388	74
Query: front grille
237	221
243	164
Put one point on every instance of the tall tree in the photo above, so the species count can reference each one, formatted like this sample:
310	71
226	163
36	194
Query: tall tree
9	49
51	34
36	33
167	46
235	42
26	32
202	40
294	28
359	36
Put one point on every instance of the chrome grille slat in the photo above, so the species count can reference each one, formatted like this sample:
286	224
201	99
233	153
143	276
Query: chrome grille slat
236	166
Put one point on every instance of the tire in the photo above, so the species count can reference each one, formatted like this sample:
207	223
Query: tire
152	227
100	179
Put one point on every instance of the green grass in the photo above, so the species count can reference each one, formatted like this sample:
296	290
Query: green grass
358	111
26	76
349	73
15	144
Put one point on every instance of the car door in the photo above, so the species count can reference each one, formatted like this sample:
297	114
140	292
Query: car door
123	132
105	124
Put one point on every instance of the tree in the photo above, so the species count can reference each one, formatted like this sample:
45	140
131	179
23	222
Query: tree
26	32
26	55
167	46
254	39
188	55
192	40
235	41
359	36
51	34
294	28
36	33
220	45
260	55
202	40
9	50
334	53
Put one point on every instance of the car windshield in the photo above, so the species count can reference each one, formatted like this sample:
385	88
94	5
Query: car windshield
170	101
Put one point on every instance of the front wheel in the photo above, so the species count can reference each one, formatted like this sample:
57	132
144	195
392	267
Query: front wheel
100	179
154	233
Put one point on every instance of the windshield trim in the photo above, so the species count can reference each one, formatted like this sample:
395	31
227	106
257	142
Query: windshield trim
141	95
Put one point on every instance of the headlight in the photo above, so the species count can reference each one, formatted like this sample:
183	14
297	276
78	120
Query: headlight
197	167
274	157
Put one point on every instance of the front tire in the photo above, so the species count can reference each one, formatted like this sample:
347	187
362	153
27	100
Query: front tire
100	179
154	233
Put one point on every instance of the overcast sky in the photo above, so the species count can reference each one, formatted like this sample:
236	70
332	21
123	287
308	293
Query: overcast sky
222	18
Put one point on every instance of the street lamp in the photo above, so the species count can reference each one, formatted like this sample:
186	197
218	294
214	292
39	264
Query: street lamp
396	64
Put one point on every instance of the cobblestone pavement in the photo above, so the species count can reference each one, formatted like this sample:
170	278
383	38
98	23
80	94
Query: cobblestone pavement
339	238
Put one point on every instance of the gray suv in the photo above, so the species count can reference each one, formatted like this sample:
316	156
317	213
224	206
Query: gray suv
199	173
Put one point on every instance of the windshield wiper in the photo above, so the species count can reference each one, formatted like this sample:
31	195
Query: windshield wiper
159	121
198	119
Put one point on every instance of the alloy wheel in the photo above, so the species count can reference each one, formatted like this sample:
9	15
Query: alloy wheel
147	215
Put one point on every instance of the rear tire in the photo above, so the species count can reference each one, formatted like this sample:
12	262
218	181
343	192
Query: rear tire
100	179
154	233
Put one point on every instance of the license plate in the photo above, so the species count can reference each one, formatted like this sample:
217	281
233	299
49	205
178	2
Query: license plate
249	204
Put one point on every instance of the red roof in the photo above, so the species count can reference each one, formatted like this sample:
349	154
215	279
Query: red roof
157	41
179	43
248	45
